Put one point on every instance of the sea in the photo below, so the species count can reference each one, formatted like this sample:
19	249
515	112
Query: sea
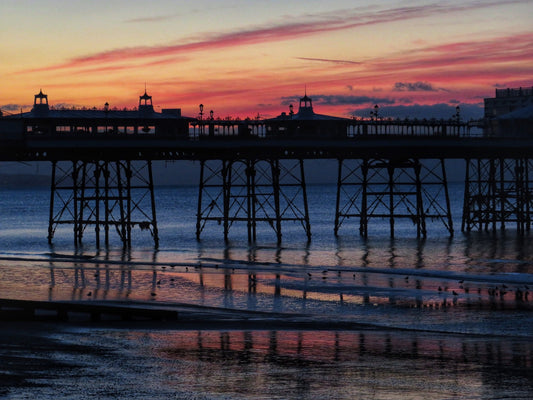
441	317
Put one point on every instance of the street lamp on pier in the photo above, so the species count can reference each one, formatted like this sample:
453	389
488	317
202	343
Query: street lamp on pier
201	119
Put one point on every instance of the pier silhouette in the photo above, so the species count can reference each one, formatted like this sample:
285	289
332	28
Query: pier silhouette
253	170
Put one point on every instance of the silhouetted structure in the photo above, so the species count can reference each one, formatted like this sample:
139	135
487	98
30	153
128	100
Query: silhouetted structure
306	123
252	170
507	101
106	190
510	112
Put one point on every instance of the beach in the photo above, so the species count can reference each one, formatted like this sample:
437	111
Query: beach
165	360
336	318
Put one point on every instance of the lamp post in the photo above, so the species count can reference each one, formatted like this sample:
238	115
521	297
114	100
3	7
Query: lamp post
106	111
458	119
201	119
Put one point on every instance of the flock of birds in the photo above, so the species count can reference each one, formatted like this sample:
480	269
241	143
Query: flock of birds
503	292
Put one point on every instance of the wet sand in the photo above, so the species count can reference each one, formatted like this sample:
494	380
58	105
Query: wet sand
27	356
259	360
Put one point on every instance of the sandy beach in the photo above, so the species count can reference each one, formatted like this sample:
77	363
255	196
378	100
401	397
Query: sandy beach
258	359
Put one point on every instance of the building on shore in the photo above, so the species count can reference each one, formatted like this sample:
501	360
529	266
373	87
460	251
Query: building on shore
510	112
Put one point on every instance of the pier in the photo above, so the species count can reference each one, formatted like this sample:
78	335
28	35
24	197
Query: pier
253	170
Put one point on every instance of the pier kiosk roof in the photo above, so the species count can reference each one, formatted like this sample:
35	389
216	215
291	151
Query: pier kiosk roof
307	123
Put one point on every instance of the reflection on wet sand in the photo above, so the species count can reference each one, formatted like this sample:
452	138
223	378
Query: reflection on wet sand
340	364
445	319
383	276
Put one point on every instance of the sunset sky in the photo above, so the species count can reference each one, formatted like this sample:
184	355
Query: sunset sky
243	58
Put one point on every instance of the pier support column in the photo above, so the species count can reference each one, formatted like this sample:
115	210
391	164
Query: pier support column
252	191
498	192
103	194
393	190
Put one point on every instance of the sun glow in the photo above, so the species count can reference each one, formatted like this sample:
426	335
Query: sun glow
348	57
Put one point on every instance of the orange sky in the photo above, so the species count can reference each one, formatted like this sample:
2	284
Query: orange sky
243	58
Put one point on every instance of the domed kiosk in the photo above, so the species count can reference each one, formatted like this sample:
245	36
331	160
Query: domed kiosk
307	123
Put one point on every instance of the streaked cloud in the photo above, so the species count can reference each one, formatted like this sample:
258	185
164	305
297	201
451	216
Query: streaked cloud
337	100
414	87
10	108
310	24
420	111
506	50
325	60
155	18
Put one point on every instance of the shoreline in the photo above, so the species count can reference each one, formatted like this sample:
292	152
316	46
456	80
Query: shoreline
134	315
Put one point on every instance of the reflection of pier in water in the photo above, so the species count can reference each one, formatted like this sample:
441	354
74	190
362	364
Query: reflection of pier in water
380	278
327	346
360	362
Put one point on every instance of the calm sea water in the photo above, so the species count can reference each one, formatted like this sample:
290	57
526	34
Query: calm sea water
443	317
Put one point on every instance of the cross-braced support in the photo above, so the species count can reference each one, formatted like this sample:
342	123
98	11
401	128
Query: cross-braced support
103	194
252	191
392	189
497	192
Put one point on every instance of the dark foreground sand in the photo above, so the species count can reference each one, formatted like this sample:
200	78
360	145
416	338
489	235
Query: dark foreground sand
211	353
27	355
35	358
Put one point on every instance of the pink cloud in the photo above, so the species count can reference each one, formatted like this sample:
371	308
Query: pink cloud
508	49
326	60
309	25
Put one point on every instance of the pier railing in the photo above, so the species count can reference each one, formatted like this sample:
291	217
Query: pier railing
202	129
13	128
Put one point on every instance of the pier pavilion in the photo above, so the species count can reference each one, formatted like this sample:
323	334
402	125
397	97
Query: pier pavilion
105	190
